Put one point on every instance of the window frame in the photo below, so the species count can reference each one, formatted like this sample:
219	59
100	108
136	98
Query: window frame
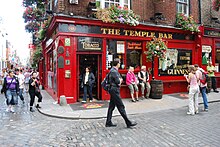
121	3
182	3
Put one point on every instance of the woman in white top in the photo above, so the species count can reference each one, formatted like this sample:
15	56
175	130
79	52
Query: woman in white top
193	91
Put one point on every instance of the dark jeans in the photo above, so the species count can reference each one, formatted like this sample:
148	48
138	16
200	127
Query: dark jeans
213	83
87	88
32	96
115	100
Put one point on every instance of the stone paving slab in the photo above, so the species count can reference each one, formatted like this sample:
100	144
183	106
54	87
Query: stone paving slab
51	108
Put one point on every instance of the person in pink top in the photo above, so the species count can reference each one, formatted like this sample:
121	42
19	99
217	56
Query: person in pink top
131	81
193	91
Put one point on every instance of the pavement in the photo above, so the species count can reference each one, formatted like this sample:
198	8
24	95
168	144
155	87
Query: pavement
169	101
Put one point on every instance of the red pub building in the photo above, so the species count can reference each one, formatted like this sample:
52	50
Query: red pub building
73	43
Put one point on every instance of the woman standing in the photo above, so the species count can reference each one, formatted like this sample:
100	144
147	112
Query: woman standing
87	84
34	90
193	91
11	86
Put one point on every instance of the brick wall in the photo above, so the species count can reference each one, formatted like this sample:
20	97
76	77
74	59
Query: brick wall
144	8
207	13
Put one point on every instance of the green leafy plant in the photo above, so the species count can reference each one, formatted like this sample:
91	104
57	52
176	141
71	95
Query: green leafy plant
156	48
186	23
118	14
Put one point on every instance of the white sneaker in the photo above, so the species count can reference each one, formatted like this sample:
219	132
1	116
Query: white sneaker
12	110
189	113
8	110
90	101
83	101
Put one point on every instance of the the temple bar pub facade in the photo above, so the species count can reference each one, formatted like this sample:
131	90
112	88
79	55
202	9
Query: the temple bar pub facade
75	43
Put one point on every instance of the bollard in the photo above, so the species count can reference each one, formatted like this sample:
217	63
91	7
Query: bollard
63	100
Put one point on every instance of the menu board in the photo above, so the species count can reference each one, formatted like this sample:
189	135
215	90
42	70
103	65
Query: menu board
176	62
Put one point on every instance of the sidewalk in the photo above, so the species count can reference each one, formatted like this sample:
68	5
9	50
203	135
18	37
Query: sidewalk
171	101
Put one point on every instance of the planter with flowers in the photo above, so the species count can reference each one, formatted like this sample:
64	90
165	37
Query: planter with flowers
118	14
156	49
216	5
186	23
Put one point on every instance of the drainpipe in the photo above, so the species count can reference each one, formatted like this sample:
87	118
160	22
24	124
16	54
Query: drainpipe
200	15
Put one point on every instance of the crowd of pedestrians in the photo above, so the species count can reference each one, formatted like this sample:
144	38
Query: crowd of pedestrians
17	81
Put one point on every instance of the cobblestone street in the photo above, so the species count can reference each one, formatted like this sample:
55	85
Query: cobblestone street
155	129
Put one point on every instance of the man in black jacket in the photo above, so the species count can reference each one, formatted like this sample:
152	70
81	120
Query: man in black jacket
115	81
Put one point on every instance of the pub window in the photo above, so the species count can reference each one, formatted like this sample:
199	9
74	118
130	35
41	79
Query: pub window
217	57
108	3
115	49
129	52
50	62
182	6
176	62
133	54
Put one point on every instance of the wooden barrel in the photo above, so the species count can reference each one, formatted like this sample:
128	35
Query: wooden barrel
209	85
156	89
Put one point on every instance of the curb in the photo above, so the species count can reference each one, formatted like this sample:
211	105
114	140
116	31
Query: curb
103	117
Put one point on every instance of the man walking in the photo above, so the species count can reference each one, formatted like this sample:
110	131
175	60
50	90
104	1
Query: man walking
115	81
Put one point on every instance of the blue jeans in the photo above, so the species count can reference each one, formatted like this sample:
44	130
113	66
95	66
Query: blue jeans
12	97
21	94
204	96
85	89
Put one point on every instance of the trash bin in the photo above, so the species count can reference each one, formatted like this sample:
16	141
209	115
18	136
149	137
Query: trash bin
156	89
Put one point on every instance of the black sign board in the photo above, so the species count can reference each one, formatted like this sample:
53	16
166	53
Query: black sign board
86	29
176	62
212	33
89	44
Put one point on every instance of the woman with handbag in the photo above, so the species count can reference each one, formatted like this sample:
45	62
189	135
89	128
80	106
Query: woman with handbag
11	90
34	90
87	84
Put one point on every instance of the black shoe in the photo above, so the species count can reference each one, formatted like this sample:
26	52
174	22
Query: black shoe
38	106
131	125
216	91
110	125
31	109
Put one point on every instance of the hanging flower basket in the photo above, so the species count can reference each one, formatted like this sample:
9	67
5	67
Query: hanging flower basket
31	14
186	23
156	48
118	14
32	26
216	5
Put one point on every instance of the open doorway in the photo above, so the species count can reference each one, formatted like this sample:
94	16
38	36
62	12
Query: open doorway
92	61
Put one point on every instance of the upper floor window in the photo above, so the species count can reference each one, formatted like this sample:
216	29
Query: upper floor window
182	6
108	3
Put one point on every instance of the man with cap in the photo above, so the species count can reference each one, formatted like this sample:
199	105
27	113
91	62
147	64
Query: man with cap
143	77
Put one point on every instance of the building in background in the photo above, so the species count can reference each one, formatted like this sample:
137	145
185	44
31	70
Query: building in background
210	42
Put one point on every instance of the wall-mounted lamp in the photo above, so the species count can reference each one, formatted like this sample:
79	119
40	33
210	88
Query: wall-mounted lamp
157	16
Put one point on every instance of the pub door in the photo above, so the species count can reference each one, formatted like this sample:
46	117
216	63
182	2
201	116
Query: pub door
94	62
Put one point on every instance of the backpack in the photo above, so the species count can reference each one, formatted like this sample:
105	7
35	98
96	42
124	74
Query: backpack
204	78
105	83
